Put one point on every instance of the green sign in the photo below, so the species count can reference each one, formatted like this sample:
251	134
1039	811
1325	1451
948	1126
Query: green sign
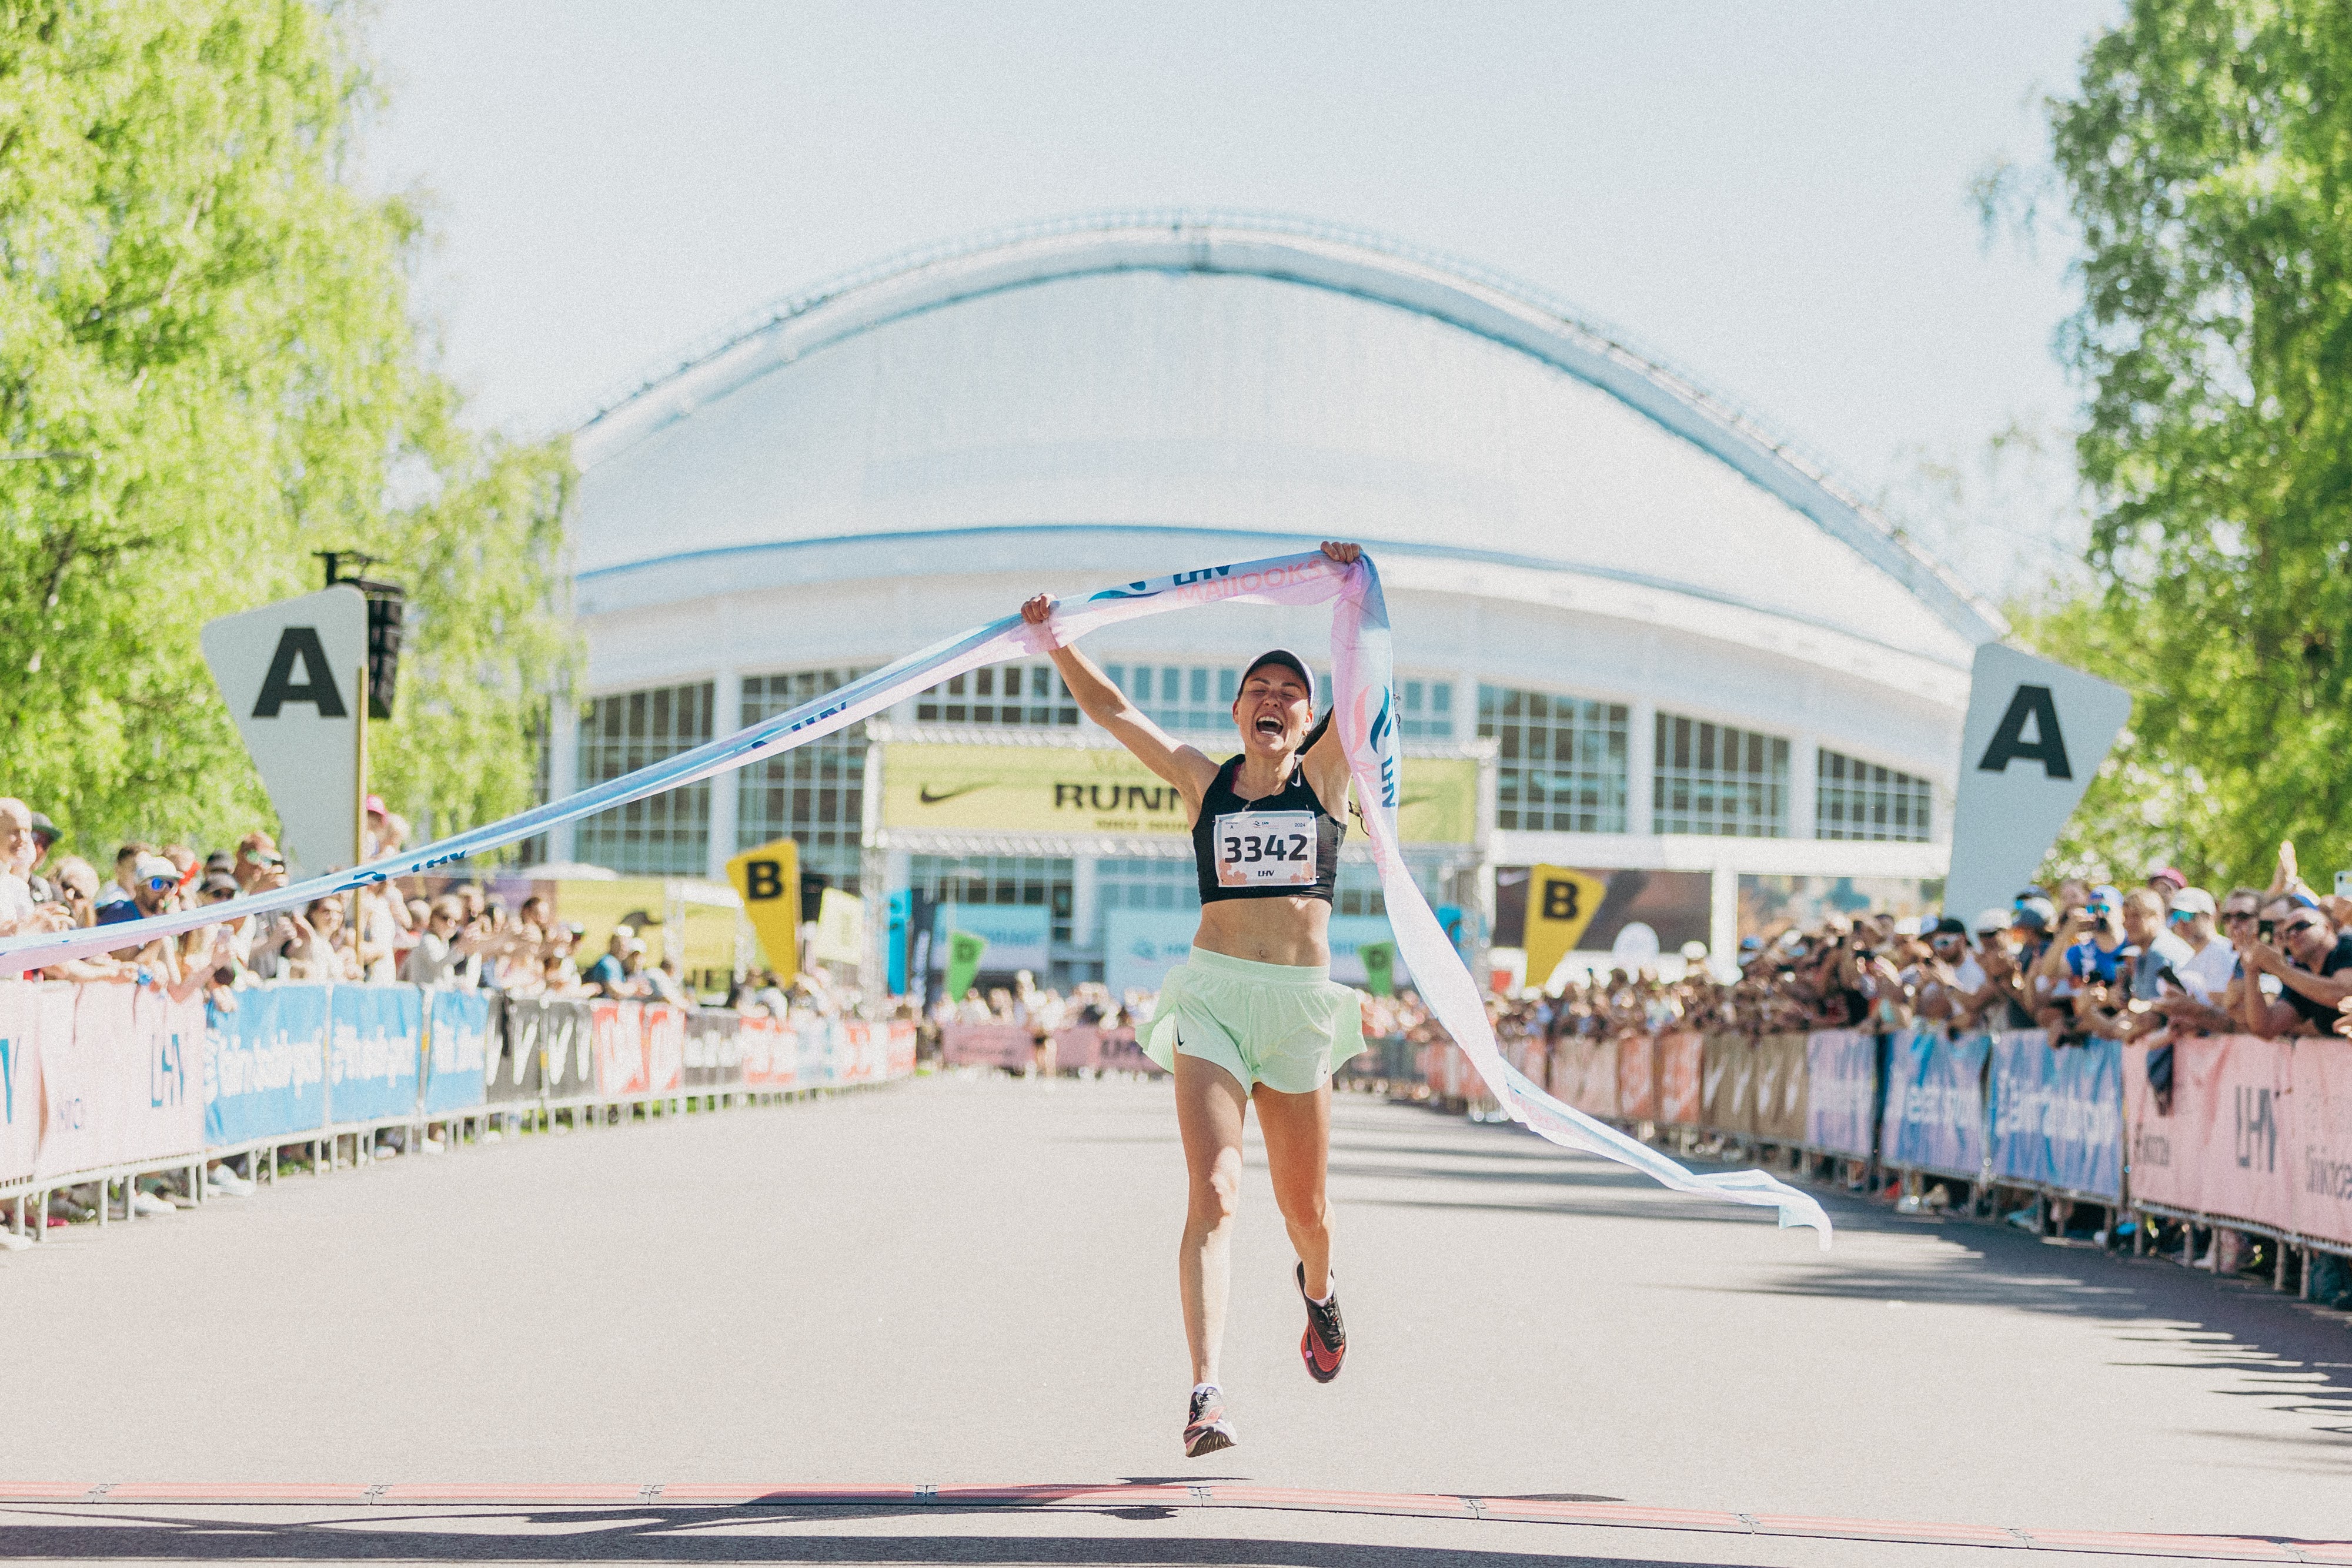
963	962
1379	959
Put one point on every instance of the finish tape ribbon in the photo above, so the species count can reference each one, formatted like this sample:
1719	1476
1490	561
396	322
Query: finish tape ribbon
1364	704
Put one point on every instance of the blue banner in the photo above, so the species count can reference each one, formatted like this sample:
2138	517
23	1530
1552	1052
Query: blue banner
458	1049
266	1064
1936	1104
373	1033
1841	1084
2058	1114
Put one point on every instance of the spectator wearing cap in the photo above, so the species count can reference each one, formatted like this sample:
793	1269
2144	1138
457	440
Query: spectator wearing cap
153	881
2212	961
2164	880
2309	955
182	971
44	839
2094	948
1944	983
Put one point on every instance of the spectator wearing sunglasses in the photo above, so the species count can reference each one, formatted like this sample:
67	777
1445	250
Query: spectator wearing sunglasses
2307	961
153	881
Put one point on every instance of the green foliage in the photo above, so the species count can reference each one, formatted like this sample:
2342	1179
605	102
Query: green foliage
2206	161
204	323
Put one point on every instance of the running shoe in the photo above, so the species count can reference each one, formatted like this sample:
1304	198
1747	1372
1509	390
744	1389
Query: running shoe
1324	1345
1208	1430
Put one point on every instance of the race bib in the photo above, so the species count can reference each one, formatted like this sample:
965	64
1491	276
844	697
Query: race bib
1265	849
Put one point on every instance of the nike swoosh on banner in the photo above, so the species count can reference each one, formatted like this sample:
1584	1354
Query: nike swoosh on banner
925	795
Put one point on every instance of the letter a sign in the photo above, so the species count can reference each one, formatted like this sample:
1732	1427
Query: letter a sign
290	673
2035	735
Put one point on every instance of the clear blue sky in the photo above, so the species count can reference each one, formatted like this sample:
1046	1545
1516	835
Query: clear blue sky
1775	196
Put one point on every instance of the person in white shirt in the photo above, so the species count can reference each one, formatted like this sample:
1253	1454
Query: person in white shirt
2212	961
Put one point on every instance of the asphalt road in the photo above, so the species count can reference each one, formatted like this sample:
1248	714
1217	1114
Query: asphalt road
971	1279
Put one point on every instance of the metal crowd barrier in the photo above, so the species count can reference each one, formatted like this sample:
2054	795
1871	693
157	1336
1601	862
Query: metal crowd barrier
2231	1132
102	1084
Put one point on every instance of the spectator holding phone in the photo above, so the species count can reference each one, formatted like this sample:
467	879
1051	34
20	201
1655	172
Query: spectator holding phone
2309	961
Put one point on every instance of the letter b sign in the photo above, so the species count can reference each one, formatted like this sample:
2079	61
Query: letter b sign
762	880
1560	900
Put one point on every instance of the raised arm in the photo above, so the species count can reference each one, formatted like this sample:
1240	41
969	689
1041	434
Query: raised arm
1186	766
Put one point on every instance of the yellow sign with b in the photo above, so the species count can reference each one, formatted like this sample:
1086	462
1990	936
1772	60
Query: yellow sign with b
1561	904
768	879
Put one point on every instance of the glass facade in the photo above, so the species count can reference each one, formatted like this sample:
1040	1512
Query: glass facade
1152	884
1561	761
1019	694
815	793
668	834
1858	800
998	880
1716	779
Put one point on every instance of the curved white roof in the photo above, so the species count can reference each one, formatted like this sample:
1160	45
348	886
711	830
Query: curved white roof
1198	374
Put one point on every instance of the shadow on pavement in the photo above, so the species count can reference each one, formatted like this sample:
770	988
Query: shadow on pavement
718	1535
2186	1320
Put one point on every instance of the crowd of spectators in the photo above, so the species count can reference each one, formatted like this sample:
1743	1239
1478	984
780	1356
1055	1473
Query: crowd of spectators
2083	960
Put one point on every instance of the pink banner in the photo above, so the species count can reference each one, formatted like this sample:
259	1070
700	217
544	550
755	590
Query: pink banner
1595	1086
619	1040
2227	1146
1637	1077
20	1079
160	1090
663	1027
986	1045
1078	1046
82	1120
900	1047
2322	1141
772	1053
1681	1082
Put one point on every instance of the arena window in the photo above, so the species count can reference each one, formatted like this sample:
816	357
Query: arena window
666	834
1561	761
997	880
1716	779
1858	799
1147	884
1015	694
815	793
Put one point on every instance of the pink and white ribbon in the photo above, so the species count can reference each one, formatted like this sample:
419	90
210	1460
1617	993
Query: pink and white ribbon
1364	698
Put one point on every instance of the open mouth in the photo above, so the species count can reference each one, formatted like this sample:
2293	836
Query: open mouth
1270	727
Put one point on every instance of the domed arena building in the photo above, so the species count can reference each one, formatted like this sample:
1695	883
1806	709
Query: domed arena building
1635	632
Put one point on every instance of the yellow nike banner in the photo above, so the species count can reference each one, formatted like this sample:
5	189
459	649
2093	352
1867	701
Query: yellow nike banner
1086	789
1561	904
769	878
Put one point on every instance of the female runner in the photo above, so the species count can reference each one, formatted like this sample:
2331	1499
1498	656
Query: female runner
1254	1015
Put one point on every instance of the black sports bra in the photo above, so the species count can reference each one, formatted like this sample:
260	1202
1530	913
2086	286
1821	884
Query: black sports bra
1283	845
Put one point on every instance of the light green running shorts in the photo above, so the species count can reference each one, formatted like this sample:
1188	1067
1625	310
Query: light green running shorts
1285	1026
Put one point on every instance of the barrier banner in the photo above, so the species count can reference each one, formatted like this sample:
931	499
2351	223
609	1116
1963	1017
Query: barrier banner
1728	1083
373	1033
663	1027
1841	1084
858	1057
161	1092
1637	1077
266	1065
2322	1141
1780	1089
714	1050
1117	1051
985	1045
771	1053
898	1048
1076	1047
567	1050
20	1079
2058	1114
1595	1063
1936	1104
511	1070
459	1049
1682	1078
620	1049
2228	1146
78	1125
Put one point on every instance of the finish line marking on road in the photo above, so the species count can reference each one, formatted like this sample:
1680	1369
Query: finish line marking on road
1193	1494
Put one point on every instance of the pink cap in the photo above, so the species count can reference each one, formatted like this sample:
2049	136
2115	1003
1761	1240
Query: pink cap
375	806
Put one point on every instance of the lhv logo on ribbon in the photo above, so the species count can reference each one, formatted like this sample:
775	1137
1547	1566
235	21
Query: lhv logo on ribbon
1363	704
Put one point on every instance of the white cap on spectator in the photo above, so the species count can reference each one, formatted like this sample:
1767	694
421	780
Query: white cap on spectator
2193	901
1991	920
150	866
